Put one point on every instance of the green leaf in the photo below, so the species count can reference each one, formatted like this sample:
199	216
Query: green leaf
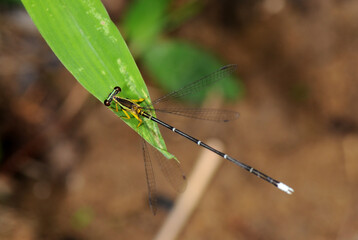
143	23
175	64
90	46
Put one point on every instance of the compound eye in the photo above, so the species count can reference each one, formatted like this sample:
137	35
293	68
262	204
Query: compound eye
117	89
107	103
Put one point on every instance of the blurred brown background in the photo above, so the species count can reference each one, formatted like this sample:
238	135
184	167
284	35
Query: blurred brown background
70	169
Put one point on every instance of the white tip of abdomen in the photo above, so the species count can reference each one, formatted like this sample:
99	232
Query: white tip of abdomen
285	188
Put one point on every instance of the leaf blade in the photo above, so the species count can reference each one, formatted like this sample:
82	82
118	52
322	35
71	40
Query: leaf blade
90	46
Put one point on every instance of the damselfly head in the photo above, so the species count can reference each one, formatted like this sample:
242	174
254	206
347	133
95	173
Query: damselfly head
110	97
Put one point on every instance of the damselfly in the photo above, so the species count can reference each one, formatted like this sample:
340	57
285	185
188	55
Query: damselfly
134	108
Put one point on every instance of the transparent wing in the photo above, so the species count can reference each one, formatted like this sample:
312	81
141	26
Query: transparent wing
172	171
149	173
217	115
199	84
170	168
